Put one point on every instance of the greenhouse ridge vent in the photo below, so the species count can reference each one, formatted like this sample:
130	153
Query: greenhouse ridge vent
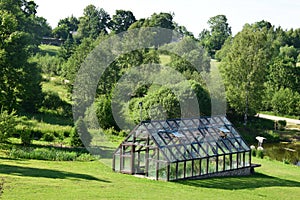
177	149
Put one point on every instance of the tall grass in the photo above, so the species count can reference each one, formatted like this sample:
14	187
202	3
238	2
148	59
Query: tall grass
52	154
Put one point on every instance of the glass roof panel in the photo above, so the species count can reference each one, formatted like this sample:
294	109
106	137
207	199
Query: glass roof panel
190	138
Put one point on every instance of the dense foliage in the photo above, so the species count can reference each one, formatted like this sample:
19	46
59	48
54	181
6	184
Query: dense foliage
20	33
259	65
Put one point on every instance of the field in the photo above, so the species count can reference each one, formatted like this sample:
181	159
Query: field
33	179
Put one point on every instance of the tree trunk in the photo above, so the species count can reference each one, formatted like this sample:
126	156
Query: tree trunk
247	104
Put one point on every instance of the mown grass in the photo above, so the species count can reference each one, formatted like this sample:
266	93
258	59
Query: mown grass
49	49
55	84
32	179
164	59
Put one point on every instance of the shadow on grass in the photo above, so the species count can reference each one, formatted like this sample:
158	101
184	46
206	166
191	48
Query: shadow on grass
245	182
102	151
51	118
44	173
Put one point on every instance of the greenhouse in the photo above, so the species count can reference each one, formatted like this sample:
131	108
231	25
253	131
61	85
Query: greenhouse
183	149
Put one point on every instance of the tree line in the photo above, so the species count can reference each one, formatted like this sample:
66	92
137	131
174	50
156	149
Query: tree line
258	64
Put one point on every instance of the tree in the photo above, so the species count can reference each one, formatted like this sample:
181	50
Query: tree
286	101
8	122
284	72
66	27
182	30
25	14
71	22
220	54
219	31
294	38
161	20
93	22
244	70
190	56
19	79
74	62
122	20
104	112
80	135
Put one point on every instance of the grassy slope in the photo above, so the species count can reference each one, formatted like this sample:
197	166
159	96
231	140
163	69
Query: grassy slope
49	49
32	179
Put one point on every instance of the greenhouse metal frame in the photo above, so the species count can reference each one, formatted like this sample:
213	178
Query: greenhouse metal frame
183	149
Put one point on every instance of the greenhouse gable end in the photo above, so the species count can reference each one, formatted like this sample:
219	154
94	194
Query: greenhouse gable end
183	149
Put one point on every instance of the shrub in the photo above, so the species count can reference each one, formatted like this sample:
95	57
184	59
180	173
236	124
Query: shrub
111	131
36	134
26	136
75	138
253	152
48	137
260	153
80	135
271	136
281	124
49	64
286	101
104	112
8	122
66	133
123	133
85	157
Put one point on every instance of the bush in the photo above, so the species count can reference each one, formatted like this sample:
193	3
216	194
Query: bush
271	136
80	135
286	101
49	64
36	134
48	137
67	134
111	131
104	112
8	122
260	153
253	152
281	124
26	136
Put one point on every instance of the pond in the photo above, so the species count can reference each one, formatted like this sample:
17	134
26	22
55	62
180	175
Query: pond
285	152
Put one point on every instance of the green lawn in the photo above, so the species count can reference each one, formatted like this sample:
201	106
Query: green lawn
165	59
33	179
49	49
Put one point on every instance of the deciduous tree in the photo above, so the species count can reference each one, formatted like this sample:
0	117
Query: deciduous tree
122	20
93	22
244	69
219	31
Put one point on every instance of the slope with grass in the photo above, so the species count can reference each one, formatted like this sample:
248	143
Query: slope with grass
32	179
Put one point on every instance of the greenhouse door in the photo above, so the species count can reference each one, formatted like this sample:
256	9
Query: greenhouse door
140	162
127	159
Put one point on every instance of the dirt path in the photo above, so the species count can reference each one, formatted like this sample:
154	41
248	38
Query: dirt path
288	120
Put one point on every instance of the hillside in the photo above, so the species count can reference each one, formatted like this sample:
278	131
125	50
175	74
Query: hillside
32	179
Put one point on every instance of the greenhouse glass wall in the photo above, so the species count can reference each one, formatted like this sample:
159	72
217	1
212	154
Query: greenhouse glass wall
183	149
